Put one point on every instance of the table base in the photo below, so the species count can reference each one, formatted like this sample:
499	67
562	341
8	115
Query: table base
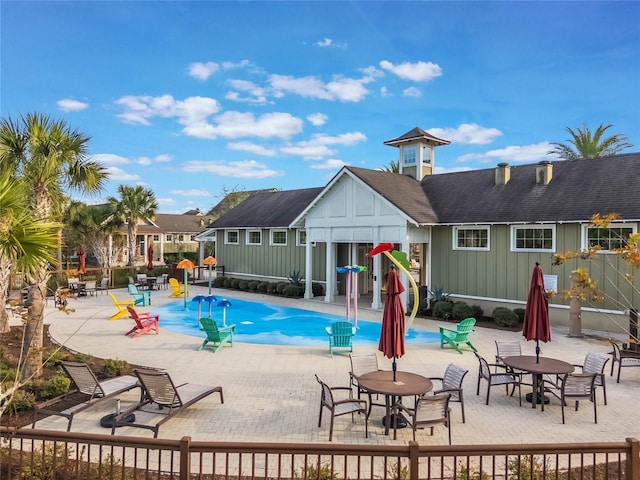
402	422
529	398
107	420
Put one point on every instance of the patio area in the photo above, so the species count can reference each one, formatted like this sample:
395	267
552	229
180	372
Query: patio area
271	394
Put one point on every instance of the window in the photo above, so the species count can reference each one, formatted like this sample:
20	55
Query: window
609	238
156	238
192	238
168	237
278	237
181	238
302	237
533	238
476	238
409	155
231	237
254	237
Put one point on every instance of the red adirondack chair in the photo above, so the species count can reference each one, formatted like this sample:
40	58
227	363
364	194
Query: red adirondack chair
145	323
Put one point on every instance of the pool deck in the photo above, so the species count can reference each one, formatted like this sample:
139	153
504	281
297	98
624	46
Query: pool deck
271	394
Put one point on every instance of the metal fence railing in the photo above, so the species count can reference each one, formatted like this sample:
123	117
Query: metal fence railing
31	454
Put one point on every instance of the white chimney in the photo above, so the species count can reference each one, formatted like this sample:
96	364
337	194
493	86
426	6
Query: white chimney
503	173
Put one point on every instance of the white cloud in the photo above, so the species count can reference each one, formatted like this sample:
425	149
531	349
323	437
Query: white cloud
318	146
467	133
384	92
329	43
191	193
340	88
70	105
438	170
512	153
163	158
144	161
241	169
237	124
190	111
317	119
331	163
256	94
417	72
109	159
118	174
232	65
411	92
252	148
166	201
203	71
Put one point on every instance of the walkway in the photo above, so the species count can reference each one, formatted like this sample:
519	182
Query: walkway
271	393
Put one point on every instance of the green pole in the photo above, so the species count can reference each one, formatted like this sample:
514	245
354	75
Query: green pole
185	288
209	279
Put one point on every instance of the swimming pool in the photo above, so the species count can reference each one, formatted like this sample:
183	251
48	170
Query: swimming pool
267	324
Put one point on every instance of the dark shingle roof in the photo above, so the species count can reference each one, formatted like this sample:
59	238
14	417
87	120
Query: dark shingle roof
578	190
268	209
401	190
179	223
416	134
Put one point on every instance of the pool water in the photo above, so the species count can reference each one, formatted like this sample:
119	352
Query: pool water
272	324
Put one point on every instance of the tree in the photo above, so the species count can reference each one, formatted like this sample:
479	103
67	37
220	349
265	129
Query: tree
587	144
94	226
50	157
393	167
135	204
25	242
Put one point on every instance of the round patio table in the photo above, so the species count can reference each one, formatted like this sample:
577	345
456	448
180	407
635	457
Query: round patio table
538	366
406	384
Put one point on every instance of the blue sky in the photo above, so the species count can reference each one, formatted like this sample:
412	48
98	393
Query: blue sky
192	99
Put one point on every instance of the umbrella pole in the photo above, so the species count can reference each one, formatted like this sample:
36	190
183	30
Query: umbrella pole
537	351
395	368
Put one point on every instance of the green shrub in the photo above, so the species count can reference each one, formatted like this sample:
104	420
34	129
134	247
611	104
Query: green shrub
114	367
465	473
21	401
438	295
243	285
442	309
313	472
8	374
272	288
253	285
56	386
80	357
280	286
293	291
262	287
226	282
53	357
505	317
317	289
296	278
235	283
461	310
477	312
530	467
218	282
520	313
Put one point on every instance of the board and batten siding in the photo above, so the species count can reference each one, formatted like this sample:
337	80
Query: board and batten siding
267	261
501	273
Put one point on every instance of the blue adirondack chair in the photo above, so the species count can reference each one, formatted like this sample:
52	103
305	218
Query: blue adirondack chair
459	336
140	298
340	336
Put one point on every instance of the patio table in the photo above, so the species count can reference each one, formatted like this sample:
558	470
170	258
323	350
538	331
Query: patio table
406	384
538	366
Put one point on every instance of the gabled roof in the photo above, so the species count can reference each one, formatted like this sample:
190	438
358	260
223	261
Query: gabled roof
267	209
578	190
172	223
416	134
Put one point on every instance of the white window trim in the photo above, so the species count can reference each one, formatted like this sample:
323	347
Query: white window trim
286	237
454	239
226	237
168	237
298	241
415	158
514	228
585	227
248	237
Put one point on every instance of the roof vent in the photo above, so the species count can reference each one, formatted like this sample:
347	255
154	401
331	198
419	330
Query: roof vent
503	173
544	172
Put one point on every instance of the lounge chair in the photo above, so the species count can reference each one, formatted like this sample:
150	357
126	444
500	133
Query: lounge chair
459	336
176	289
140	298
121	305
145	323
216	336
158	388
340	336
86	383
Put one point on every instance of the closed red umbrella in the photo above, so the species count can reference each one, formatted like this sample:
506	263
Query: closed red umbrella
536	324
391	342
82	269
150	257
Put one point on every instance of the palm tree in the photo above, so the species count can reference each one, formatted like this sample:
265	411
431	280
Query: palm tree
393	167
587	144
135	204
25	242
50	157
